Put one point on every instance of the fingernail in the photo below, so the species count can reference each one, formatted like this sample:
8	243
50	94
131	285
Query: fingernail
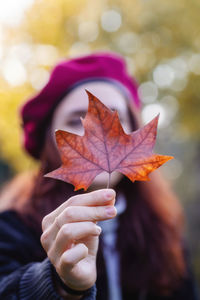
98	229
110	211
109	194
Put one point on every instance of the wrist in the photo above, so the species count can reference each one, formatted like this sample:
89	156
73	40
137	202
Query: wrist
66	295
65	291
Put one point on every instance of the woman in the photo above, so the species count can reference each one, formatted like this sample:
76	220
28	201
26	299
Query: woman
141	253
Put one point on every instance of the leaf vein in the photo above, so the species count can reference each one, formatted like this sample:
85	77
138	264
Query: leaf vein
134	147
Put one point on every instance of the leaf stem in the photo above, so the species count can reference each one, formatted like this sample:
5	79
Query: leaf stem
109	178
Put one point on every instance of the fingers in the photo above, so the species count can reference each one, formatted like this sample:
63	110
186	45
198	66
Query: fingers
95	198
81	213
70	233
74	214
72	257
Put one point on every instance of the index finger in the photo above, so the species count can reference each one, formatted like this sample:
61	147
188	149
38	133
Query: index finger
96	198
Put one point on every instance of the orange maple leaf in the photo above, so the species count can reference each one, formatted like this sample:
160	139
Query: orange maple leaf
106	147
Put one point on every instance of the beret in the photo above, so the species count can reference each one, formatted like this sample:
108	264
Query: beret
37	111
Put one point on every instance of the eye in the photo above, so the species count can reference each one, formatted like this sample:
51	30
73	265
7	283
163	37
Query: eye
74	122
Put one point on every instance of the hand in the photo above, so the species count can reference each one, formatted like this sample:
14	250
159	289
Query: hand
70	236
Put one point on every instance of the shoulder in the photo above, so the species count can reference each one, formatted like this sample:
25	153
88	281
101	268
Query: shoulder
11	223
16	236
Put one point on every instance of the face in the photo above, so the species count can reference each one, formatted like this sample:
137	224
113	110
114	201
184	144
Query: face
75	104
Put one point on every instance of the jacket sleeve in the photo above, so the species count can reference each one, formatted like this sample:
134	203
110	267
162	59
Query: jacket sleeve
22	276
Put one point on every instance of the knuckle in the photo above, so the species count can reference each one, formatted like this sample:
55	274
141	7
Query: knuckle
72	199
69	213
66	230
94	196
44	240
66	260
96	229
97	213
57	222
84	249
45	222
92	227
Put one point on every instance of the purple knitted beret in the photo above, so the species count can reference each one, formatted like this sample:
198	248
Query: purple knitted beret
36	112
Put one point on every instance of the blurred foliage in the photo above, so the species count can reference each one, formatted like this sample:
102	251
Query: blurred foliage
149	33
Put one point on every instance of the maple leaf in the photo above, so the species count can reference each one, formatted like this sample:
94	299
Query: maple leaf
106	147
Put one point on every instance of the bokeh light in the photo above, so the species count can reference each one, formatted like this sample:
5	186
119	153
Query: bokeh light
128	42
148	92
88	31
14	72
111	20
163	75
12	11
45	55
79	48
38	78
150	111
194	64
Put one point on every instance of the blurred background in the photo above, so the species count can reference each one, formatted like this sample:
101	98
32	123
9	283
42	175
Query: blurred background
160	41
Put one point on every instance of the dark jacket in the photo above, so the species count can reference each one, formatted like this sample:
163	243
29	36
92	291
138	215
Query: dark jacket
25	271
27	274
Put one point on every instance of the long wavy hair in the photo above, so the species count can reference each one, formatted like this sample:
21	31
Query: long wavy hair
150	233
